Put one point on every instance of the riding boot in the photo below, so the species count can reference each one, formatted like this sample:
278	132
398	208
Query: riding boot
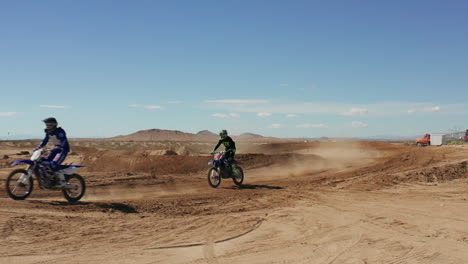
233	168
61	179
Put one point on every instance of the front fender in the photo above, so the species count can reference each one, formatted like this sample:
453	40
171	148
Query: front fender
30	162
215	163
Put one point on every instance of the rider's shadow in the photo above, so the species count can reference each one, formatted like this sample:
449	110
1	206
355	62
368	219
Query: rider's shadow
254	187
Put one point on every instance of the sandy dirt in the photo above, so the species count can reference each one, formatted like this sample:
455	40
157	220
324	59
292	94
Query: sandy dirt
328	202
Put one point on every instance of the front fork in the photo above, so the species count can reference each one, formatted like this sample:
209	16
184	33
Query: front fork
25	177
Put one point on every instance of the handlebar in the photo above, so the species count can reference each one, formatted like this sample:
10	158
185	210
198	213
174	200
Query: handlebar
43	151
222	152
219	152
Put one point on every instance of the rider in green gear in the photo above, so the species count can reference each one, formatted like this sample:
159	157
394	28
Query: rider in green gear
229	146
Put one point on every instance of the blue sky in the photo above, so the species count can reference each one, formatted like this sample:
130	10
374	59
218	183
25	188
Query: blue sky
278	68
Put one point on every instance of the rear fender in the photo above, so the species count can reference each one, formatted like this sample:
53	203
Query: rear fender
71	170
28	161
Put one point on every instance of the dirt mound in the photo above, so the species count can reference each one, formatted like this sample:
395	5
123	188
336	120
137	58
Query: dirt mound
440	174
436	174
122	161
161	163
399	163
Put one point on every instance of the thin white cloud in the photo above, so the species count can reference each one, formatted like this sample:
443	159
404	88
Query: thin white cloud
284	84
276	126
8	113
433	109
312	126
149	107
379	109
237	101
52	106
174	102
430	109
291	115
263	114
356	112
358	124
152	107
219	115
284	108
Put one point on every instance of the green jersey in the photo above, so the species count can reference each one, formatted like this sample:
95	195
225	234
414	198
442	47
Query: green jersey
228	143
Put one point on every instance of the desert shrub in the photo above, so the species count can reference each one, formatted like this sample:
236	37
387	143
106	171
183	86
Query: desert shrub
456	142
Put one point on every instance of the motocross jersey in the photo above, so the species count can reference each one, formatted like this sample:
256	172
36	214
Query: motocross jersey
58	137
228	143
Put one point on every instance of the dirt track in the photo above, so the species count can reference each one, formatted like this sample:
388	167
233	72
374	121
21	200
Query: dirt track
355	202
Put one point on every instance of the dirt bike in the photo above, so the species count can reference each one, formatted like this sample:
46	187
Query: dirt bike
19	184
222	169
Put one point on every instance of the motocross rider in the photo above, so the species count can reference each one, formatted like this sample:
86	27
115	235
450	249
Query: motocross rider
61	147
229	146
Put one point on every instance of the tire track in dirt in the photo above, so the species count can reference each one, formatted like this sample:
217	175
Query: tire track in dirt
7	228
210	239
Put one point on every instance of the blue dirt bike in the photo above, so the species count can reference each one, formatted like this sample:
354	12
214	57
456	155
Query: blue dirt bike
19	184
222	169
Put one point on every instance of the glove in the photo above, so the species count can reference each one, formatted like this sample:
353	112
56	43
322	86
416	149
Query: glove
37	148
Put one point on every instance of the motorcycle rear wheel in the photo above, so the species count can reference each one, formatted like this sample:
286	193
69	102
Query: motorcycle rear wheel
79	187
238	177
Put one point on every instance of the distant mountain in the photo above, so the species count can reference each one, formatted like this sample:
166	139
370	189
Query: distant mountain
206	133
175	135
157	135
250	135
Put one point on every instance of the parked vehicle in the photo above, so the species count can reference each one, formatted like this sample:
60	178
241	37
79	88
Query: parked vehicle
222	169
20	183
466	136
425	141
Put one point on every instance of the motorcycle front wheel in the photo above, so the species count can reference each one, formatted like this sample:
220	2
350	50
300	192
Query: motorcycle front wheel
75	188
214	179
17	187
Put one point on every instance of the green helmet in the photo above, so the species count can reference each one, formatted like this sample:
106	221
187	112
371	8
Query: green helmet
223	133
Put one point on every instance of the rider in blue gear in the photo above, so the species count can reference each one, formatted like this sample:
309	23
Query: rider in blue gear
61	148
